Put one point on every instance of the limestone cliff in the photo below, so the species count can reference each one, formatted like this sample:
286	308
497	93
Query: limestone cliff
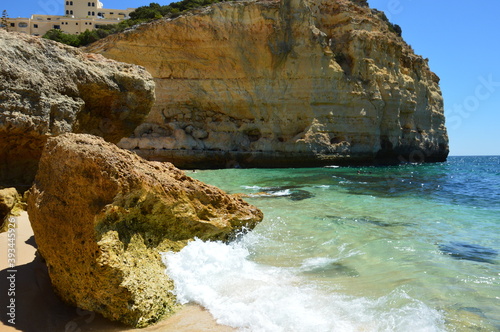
290	83
47	88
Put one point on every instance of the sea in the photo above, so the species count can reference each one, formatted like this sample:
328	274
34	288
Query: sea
400	248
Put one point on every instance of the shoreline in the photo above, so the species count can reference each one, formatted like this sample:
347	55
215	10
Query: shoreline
37	307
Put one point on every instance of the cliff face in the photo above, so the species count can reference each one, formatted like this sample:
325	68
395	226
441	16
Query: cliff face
290	83
47	89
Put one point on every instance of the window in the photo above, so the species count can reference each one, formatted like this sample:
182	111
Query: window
13	25
67	3
56	26
35	26
71	12
93	13
89	4
71	3
67	12
76	23
111	13
48	19
23	25
89	13
93	4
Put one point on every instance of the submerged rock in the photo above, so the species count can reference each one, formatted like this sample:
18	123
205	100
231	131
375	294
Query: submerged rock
101	215
48	88
283	84
333	270
469	251
290	192
368	220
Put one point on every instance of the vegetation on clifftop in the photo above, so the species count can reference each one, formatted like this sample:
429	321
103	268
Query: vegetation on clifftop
156	11
392	27
142	14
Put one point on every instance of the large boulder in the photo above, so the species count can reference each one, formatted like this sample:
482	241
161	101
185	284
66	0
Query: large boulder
48	88
101	215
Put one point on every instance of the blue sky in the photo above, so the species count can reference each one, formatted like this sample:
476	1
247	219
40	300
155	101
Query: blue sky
460	38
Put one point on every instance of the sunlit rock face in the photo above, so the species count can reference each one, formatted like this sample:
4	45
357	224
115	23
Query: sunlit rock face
283	83
48	88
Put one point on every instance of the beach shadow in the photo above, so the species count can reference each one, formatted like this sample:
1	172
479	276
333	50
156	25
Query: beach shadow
39	309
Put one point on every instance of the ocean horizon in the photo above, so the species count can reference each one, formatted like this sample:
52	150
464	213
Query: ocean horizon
396	248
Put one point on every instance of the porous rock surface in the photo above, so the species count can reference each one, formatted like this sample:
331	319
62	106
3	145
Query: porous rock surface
48	88
283	83
101	216
8	199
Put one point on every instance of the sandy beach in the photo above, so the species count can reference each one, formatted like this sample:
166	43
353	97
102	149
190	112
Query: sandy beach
37	308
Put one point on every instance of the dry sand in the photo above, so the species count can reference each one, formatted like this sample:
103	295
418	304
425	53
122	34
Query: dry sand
38	309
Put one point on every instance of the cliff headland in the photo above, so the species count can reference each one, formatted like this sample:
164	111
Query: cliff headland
283	84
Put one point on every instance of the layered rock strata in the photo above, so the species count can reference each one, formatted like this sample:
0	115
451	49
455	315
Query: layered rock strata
283	83
47	88
101	216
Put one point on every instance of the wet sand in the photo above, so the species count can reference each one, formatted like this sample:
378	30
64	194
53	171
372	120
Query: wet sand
38	309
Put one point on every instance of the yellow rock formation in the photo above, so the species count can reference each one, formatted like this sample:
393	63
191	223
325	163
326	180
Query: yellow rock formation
290	83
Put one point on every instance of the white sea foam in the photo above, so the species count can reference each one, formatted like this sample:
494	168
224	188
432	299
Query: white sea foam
254	297
253	187
277	193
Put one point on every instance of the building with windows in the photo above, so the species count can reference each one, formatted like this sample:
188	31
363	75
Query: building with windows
79	16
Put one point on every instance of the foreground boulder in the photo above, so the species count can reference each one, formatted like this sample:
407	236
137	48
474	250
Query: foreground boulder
101	215
8	199
283	84
48	89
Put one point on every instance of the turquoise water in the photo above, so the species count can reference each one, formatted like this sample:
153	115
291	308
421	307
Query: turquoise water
403	248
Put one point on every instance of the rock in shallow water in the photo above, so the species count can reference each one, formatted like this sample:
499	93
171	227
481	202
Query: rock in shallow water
290	192
101	215
468	251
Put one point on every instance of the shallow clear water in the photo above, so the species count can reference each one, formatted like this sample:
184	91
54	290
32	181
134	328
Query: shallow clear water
403	248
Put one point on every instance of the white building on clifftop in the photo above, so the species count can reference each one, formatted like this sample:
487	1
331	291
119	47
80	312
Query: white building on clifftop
79	16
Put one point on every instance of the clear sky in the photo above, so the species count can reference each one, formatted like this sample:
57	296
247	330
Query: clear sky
461	38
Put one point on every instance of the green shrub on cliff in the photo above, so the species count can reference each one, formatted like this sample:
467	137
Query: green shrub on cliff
141	15
391	26
59	36
155	10
83	39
